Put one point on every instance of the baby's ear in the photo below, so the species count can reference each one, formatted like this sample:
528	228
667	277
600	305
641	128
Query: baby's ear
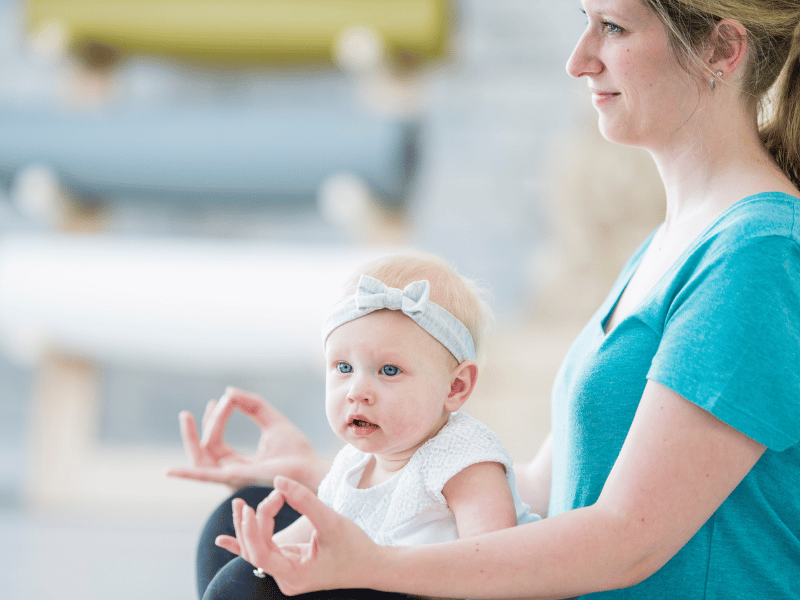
462	382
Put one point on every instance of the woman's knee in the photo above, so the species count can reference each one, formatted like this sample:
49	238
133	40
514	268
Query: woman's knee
211	558
236	581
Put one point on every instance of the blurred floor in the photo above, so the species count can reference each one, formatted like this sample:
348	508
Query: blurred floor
43	559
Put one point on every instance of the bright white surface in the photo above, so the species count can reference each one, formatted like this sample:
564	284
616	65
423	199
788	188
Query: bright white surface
177	303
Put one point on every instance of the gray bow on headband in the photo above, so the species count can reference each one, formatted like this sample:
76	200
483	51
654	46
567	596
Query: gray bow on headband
413	301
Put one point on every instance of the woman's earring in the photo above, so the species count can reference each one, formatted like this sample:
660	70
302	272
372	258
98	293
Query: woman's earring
712	82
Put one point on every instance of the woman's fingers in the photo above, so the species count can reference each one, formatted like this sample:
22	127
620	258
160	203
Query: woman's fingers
208	474
260	551
251	405
191	442
234	475
210	406
214	422
250	538
238	505
265	513
231	544
305	502
253	529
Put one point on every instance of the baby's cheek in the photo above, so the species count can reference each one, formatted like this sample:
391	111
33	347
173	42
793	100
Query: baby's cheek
331	410
402	424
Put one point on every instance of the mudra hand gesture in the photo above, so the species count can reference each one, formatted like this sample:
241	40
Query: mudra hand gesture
326	562
282	448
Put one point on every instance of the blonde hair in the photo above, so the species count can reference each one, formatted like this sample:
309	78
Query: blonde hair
772	78
460	296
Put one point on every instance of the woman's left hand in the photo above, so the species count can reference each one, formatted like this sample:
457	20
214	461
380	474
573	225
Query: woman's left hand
339	555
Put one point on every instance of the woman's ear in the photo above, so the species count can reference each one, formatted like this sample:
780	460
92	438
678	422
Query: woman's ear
727	46
462	382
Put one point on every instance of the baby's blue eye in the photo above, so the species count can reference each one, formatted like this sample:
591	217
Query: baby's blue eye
344	367
390	370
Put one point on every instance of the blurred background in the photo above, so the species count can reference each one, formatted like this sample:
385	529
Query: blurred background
184	185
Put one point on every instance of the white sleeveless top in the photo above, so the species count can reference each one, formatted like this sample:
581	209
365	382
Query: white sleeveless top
409	509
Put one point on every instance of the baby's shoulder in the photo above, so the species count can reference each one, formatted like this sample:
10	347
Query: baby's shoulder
465	430
462	442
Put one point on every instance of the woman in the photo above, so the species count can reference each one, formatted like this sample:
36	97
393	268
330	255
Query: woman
675	450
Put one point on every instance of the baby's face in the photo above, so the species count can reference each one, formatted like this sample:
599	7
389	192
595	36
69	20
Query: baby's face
387	383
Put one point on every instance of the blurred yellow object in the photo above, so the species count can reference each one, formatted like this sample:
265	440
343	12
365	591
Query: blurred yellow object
252	30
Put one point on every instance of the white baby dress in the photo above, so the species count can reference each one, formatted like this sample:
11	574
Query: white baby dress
409	508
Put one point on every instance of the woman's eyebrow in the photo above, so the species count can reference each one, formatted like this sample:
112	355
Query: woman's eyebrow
606	10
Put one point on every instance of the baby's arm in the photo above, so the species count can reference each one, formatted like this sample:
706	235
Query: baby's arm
480	499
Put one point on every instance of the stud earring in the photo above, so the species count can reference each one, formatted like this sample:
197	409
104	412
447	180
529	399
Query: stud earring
712	82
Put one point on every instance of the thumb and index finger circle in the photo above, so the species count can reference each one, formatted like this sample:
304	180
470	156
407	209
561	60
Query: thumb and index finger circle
252	405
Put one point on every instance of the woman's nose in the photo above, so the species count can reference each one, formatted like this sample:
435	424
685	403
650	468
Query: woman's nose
583	60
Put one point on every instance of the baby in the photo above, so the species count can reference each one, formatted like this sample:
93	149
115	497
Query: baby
400	352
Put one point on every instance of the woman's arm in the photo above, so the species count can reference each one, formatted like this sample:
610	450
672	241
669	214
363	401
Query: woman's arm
534	478
676	467
678	464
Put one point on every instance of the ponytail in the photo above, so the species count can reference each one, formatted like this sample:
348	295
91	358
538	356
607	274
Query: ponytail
781	131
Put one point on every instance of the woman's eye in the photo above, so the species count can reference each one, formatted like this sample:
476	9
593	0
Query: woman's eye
609	26
390	370
344	367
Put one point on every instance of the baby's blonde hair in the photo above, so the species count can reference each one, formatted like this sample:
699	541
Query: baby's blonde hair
460	296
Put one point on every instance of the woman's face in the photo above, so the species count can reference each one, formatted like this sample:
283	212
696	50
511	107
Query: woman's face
643	96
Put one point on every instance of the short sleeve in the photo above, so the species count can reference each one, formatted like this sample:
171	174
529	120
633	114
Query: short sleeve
731	340
463	442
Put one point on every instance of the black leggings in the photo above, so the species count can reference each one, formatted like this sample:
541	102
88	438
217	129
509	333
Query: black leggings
222	575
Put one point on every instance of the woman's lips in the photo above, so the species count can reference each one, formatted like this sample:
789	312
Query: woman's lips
600	96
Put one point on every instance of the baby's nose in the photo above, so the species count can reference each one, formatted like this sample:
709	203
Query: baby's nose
361	390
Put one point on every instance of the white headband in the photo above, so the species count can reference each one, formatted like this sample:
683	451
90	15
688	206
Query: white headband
413	301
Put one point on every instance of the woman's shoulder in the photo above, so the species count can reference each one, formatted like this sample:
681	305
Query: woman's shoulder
753	246
755	240
771	207
763	215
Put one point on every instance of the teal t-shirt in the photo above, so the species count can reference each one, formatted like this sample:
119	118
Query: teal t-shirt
721	328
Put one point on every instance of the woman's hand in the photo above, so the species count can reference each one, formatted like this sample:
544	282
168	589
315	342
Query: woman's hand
339	555
282	448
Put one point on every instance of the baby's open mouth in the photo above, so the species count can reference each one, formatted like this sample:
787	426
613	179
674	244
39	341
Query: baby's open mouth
362	423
